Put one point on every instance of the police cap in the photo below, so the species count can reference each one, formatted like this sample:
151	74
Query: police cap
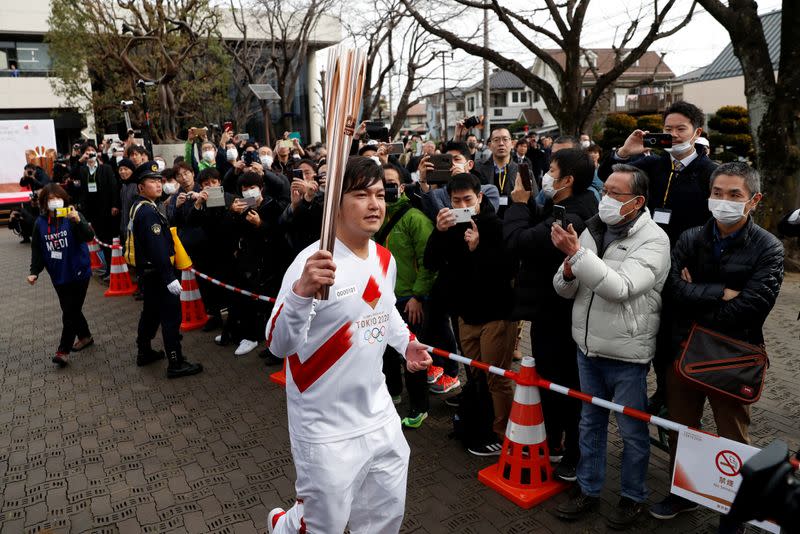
148	169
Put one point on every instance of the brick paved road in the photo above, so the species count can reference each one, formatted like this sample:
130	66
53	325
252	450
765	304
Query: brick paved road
104	446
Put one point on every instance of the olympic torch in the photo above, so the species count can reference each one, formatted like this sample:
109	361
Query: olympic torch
344	87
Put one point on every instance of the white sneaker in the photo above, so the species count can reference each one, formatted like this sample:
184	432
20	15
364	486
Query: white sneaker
245	346
273	517
218	339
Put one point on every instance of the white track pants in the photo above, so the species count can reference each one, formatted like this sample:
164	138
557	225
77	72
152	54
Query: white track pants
361	479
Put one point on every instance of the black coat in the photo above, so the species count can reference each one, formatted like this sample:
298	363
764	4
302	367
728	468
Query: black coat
486	171
688	192
526	230
788	230
478	283
752	264
107	195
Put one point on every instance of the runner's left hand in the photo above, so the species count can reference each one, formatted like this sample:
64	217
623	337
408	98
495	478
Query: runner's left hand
417	357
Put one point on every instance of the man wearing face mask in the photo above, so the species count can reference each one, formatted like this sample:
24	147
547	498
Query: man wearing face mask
725	276
615	273
526	230
100	199
678	199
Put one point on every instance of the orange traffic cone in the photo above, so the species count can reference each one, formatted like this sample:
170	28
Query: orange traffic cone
192	308
94	255
523	473
120	283
279	377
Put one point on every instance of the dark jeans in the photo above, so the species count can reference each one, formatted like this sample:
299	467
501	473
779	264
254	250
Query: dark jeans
160	307
416	383
554	351
247	317
73	323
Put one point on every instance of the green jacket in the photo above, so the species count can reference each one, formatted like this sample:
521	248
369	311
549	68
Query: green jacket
407	242
188	156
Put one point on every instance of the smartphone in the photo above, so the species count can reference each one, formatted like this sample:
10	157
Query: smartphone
243	136
391	193
298	173
657	140
227	126
285	142
471	122
560	216
463	215
395	148
216	197
525	176
295	135
442	163
250	201
377	131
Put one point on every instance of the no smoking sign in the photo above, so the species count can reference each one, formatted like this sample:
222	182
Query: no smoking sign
728	463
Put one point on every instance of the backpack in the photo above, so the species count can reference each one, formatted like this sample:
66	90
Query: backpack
474	417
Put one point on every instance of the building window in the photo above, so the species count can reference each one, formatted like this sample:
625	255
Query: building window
514	97
471	103
523	97
459	106
535	97
33	56
498	112
498	100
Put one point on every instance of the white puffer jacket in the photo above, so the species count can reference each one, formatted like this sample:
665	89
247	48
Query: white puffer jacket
617	305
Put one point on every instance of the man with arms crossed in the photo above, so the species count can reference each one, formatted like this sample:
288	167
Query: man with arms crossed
349	452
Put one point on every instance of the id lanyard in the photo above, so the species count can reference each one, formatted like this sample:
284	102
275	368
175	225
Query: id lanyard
669	184
502	175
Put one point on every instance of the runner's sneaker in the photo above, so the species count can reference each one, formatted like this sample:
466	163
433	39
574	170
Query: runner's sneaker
490	449
273	517
444	384
566	471
414	422
434	373
61	359
556	454
454	401
671	506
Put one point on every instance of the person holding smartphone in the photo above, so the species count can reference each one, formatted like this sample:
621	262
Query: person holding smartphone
526	230
58	244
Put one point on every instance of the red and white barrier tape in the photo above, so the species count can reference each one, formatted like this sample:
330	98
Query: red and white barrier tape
231	288
106	245
546	384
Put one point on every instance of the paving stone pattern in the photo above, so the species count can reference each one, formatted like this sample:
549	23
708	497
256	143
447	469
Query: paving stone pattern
104	447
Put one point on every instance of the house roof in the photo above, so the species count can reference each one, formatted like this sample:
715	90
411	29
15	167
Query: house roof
499	79
533	117
691	76
649	63
417	110
726	65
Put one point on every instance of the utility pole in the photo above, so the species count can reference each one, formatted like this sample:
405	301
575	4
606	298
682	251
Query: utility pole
444	53
487	129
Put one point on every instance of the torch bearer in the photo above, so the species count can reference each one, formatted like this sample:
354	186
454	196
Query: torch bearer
344	87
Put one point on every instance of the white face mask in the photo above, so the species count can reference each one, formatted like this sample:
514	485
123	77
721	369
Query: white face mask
266	161
232	154
726	212
376	159
609	210
586	144
681	148
119	158
251	193
54	204
547	186
169	188
296	156
209	155
161	165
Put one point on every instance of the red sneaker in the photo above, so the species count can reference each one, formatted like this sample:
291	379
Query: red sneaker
434	373
60	358
445	384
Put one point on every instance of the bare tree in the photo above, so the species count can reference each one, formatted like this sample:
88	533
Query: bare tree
167	42
565	99
290	25
772	102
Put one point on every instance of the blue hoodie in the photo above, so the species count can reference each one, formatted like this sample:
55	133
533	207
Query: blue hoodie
59	245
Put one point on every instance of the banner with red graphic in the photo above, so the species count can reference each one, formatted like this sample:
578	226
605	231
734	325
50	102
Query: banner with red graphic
23	141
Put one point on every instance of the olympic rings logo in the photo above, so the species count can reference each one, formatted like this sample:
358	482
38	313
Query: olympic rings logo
374	335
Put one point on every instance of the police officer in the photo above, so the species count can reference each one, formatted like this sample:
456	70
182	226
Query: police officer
157	277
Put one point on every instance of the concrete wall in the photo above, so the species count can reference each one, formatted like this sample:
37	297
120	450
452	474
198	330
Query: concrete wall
713	94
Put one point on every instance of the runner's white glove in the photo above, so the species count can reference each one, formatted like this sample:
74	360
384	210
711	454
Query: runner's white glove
174	287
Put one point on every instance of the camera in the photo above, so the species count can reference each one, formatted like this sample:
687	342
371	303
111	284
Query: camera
377	131
769	489
250	157
657	140
471	122
126	103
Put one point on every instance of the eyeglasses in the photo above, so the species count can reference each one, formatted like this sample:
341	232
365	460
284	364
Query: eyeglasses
500	139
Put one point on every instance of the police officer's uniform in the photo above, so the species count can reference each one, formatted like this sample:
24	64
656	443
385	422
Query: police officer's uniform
154	251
